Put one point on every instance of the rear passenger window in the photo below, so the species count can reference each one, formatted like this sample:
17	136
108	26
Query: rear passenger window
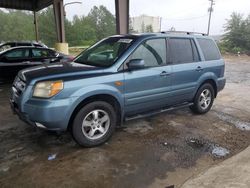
153	52
209	49
18	53
182	51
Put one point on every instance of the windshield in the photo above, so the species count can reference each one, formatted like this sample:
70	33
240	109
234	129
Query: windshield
105	53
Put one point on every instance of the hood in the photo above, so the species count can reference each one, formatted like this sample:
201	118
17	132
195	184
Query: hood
58	71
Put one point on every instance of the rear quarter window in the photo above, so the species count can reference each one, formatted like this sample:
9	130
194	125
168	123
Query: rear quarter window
209	49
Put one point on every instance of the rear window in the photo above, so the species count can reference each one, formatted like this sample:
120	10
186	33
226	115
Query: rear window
181	50
209	49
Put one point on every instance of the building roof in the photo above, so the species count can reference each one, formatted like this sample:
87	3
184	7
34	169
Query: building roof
31	5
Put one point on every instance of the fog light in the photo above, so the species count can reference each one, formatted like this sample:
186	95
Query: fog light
40	125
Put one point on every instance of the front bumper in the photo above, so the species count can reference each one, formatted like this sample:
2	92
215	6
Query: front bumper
48	114
21	116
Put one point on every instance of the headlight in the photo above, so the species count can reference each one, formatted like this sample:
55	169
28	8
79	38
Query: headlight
47	89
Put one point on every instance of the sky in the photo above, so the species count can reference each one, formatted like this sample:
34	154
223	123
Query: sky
183	15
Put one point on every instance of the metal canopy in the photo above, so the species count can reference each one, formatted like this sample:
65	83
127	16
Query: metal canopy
31	5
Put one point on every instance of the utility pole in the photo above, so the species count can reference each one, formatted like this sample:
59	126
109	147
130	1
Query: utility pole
210	10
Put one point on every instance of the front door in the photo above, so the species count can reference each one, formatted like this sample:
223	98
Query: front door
147	88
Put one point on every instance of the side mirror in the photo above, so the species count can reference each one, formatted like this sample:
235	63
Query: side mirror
134	64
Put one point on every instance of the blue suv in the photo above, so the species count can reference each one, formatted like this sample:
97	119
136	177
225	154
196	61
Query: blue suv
120	78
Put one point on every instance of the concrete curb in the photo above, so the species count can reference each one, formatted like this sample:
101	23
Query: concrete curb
231	173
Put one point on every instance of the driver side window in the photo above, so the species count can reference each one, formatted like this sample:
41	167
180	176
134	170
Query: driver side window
153	52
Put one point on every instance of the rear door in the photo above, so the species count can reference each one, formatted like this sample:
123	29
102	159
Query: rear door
13	61
213	61
187	68
148	88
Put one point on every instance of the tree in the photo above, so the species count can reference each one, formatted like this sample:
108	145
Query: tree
47	28
237	36
143	27
149	28
102	21
247	33
16	25
82	30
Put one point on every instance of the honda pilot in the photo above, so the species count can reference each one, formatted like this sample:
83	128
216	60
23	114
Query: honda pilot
120	78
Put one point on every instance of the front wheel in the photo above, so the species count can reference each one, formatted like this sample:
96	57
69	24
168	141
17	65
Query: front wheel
94	124
204	99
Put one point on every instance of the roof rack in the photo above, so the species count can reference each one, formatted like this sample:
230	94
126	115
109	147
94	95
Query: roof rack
185	32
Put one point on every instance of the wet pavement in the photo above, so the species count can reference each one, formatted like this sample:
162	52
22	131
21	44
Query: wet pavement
159	151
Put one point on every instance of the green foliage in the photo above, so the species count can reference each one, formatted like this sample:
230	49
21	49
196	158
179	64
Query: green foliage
81	31
102	21
16	25
222	47
46	27
237	37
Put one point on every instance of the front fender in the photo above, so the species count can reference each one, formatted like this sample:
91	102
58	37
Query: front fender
89	91
100	89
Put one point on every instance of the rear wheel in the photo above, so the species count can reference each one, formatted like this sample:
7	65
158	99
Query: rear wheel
94	124
204	99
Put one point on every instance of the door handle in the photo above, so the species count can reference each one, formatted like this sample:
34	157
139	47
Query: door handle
26	62
199	68
164	73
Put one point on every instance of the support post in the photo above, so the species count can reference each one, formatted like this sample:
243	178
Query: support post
122	16
61	44
36	26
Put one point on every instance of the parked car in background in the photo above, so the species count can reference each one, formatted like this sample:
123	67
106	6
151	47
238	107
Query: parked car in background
18	58
120	78
7	45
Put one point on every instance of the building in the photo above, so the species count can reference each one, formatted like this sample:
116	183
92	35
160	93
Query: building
144	23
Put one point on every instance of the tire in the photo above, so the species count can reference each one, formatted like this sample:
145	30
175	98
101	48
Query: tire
94	124
204	99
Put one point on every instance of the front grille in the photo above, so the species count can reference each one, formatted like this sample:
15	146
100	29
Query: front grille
18	86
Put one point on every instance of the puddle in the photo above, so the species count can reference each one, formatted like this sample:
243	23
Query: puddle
242	125
138	127
219	151
206	146
195	142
